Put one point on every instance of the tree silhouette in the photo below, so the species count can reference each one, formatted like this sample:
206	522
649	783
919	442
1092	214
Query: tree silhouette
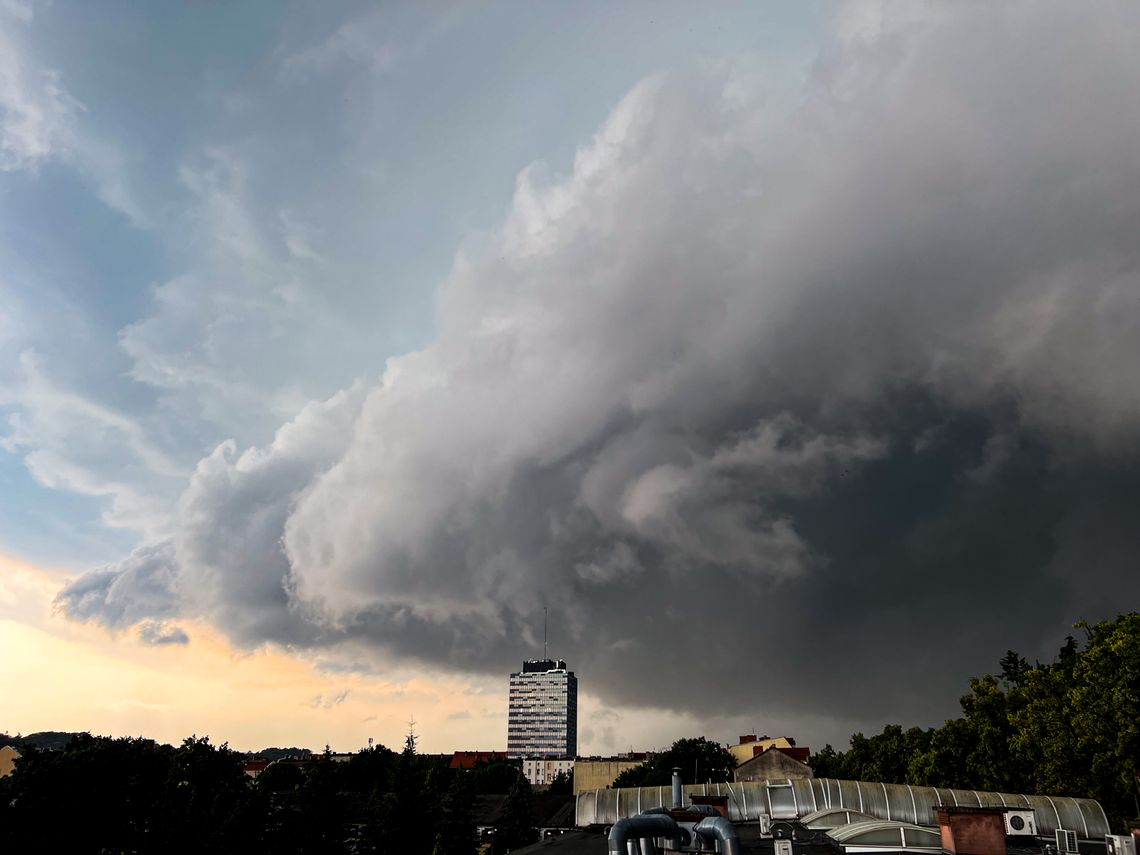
698	759
456	835
515	826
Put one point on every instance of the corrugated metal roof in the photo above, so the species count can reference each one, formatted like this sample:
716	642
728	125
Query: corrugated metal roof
788	799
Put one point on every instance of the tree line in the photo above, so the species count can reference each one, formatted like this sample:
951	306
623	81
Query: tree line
1066	727
119	796
699	760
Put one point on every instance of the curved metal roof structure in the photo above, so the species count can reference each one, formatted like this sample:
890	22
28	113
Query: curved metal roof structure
792	799
833	817
880	833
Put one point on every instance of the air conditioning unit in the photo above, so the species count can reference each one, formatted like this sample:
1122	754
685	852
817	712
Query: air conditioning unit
1066	842
1020	823
1119	844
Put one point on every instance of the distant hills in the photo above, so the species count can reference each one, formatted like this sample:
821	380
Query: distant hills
47	739
281	753
53	740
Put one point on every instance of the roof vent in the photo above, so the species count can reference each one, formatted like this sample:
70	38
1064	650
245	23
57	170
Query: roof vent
1066	842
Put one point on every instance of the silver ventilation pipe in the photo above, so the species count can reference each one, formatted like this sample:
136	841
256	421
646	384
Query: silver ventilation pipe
677	794
641	827
722	830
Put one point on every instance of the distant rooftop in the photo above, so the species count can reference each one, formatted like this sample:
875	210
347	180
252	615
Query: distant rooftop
534	666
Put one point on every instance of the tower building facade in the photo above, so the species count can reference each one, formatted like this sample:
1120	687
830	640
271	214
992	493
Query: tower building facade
542	710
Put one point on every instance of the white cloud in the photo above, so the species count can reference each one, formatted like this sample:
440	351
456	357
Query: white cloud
36	113
72	442
377	40
227	528
353	41
40	121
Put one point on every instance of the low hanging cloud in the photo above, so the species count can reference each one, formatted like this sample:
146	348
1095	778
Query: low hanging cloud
327	702
162	633
121	595
824	405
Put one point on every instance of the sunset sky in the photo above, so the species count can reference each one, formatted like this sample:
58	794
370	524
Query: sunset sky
786	353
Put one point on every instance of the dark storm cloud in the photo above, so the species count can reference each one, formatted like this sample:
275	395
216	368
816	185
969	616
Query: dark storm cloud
780	411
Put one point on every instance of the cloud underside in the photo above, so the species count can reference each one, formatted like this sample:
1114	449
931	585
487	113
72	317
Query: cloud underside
790	407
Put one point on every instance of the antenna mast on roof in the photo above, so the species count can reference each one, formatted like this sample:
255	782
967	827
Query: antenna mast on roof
544	620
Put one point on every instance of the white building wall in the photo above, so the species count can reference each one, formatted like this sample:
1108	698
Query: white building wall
540	771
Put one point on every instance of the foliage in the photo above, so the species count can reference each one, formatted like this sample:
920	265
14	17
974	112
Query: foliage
136	796
698	759
456	835
1070	727
126	795
493	778
205	799
280	778
562	784
515	826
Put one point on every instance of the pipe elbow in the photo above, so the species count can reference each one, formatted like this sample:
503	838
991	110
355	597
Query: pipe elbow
721	829
637	828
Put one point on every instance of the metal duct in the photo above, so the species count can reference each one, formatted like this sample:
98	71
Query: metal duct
722	830
704	810
640	828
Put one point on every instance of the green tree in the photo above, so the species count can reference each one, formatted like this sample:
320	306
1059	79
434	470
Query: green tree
828	763
323	809
456	834
699	760
1069	727
1077	729
943	763
369	769
280	778
562	784
886	756
129	795
1106	720
409	814
205	800
515	826
493	778
1015	669
108	789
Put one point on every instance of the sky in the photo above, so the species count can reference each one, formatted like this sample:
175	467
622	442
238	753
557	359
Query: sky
785	353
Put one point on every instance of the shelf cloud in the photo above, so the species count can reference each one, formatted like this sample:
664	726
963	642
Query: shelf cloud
768	399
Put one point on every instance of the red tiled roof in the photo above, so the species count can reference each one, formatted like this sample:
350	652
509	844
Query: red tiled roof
255	767
801	754
470	759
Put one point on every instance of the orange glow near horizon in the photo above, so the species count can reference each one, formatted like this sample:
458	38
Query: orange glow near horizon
65	676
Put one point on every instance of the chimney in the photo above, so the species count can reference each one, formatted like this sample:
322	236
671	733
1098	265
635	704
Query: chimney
972	830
